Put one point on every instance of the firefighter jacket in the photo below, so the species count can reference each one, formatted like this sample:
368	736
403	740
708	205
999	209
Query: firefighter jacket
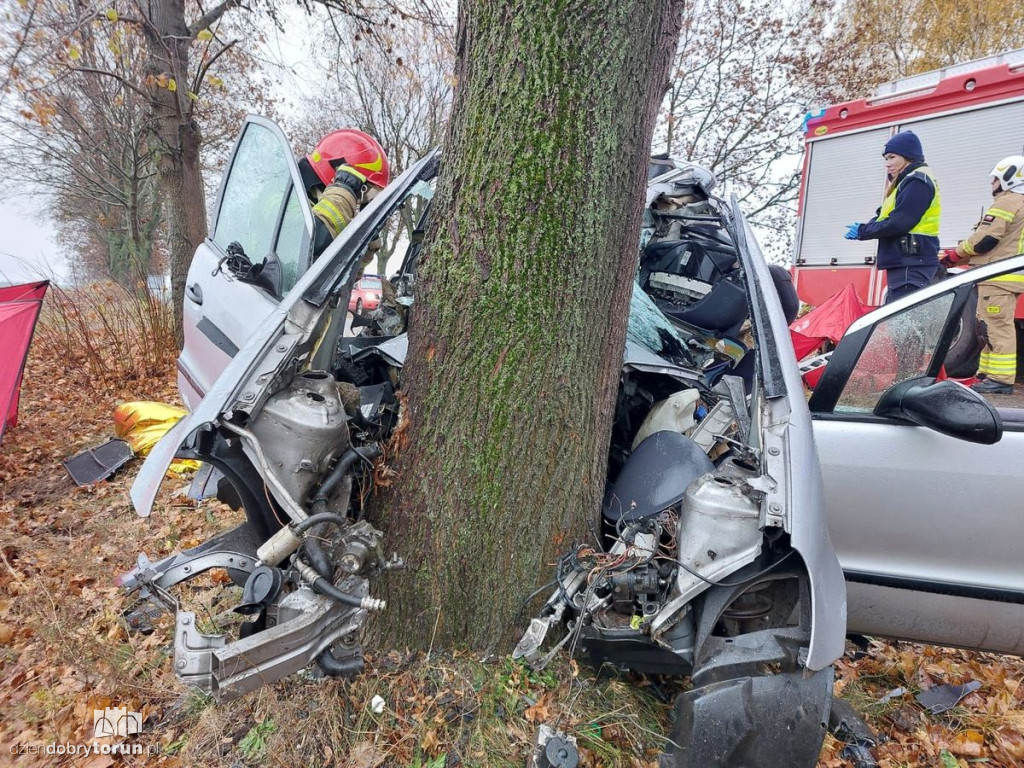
336	207
999	234
907	224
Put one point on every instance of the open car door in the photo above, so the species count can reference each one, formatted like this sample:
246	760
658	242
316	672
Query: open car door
923	478
259	245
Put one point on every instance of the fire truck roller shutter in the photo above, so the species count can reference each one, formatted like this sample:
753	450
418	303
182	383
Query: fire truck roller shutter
845	182
961	149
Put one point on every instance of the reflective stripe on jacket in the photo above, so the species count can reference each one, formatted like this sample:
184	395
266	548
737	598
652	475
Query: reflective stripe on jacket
1002	223
336	207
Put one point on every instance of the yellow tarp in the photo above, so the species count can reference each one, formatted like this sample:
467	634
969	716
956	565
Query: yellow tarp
143	423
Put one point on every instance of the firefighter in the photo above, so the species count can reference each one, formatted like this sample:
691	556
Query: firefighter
342	174
999	235
906	226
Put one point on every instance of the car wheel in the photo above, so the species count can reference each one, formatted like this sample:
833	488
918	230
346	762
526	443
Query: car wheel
359	306
962	358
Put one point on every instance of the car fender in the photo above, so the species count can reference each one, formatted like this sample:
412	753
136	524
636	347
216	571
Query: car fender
790	457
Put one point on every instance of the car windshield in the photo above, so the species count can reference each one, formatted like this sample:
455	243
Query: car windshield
370	283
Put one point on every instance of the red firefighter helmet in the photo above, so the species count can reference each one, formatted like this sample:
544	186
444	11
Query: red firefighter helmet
350	147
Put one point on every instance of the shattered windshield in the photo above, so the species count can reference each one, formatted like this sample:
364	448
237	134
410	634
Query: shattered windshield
689	304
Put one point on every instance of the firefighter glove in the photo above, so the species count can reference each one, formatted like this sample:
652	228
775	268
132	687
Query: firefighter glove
950	257
348	177
853	231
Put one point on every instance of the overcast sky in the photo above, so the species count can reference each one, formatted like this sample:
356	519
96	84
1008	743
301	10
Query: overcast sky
27	251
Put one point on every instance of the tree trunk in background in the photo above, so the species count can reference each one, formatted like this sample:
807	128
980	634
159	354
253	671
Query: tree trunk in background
185	208
516	343
175	141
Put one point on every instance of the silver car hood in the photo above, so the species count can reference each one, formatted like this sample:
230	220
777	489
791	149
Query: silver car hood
253	372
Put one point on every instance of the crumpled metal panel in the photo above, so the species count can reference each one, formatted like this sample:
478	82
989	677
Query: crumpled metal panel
775	721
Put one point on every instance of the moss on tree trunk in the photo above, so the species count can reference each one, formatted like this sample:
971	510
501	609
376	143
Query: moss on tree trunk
516	344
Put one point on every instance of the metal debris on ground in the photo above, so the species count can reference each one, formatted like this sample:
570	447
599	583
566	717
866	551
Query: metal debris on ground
553	749
939	698
895	693
99	463
847	726
141	618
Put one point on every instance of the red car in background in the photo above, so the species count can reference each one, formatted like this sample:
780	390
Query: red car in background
365	294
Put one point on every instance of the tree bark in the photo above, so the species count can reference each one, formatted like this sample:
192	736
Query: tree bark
176	140
516	344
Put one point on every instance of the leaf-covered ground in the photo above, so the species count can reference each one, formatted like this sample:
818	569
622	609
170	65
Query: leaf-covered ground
65	649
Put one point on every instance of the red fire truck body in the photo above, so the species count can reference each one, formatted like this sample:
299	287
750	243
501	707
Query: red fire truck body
968	117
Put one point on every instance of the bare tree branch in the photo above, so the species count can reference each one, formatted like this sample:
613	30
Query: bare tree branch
211	17
114	75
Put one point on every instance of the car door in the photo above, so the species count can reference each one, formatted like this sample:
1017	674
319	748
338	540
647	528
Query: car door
927	527
262	207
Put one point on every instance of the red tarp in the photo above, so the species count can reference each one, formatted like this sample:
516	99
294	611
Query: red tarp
828	320
803	345
24	292
19	310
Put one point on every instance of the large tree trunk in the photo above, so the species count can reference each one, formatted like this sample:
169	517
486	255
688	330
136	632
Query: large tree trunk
516	344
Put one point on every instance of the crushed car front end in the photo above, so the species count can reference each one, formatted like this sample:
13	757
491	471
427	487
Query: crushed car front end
712	559
285	441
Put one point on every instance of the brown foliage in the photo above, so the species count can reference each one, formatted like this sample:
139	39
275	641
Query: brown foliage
874	41
104	335
65	649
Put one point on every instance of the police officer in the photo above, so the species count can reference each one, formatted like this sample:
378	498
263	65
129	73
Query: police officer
999	235
342	174
907	224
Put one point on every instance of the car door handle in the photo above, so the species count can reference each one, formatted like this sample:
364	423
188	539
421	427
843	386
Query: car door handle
195	293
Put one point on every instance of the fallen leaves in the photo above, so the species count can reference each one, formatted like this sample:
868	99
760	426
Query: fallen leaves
541	711
986	726
64	649
968	743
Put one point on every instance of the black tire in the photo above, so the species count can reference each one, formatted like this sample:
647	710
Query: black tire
962	357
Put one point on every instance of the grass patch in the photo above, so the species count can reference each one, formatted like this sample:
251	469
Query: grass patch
253	745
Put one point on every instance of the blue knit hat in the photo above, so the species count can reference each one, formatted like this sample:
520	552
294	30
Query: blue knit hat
907	145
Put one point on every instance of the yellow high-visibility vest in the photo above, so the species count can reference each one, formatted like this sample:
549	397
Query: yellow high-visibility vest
929	223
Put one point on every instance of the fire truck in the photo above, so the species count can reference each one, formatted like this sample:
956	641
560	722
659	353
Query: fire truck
968	117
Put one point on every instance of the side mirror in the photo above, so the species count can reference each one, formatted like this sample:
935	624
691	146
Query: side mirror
945	406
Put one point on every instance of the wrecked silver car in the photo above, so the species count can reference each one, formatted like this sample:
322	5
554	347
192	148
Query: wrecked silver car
714	558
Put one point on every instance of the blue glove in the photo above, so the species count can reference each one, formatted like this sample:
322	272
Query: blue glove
852	231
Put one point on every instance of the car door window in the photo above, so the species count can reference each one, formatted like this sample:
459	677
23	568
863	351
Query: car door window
900	347
291	243
259	208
